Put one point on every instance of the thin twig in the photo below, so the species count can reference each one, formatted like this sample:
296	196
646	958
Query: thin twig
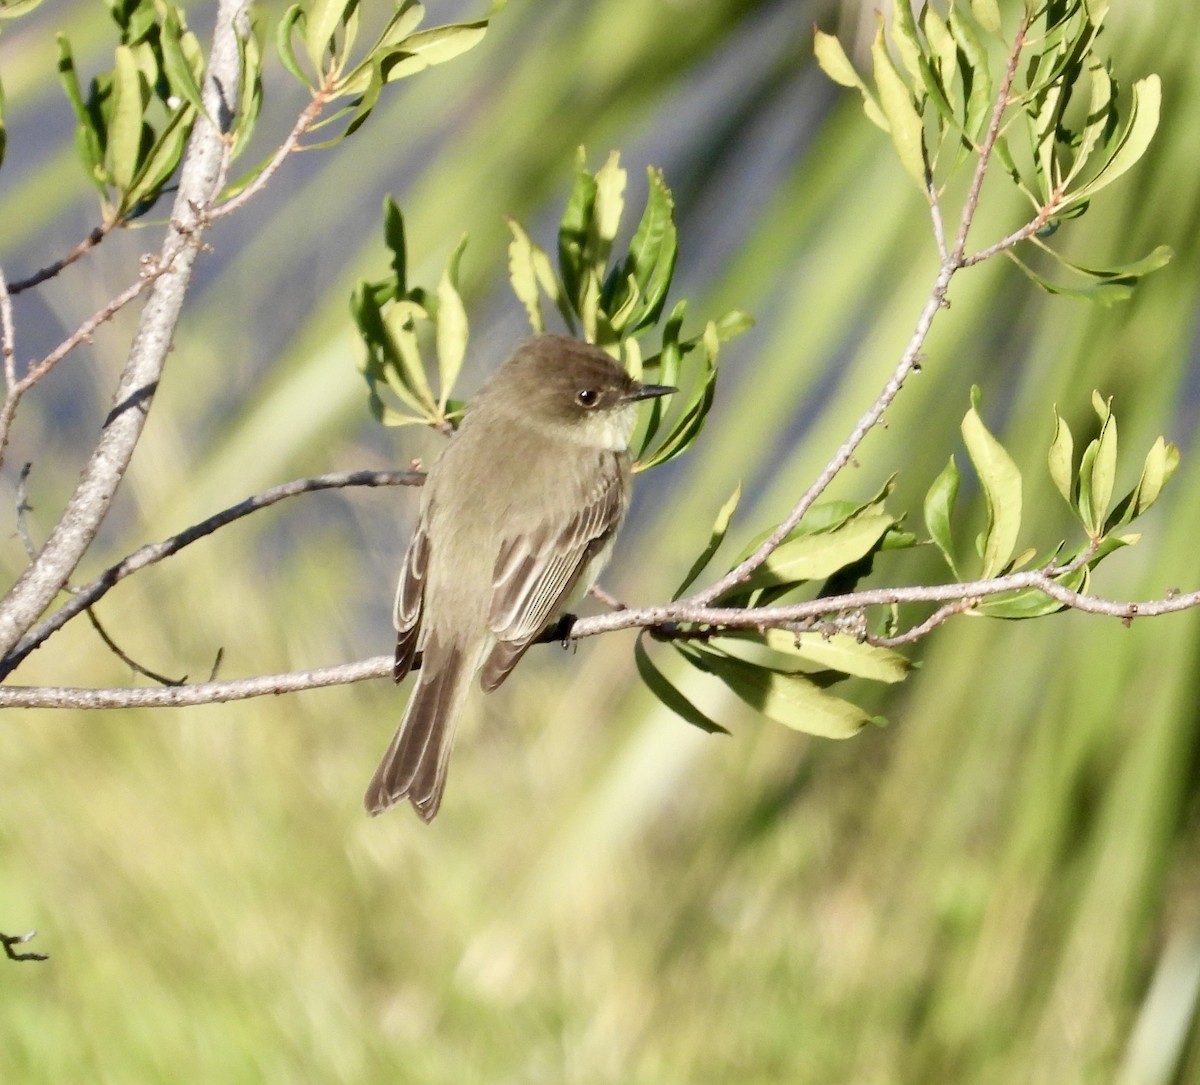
76	252
11	940
126	658
291	144
88	594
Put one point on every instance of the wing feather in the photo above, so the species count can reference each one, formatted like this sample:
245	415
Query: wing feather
537	571
410	601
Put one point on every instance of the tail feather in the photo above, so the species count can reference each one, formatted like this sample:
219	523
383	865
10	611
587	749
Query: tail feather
414	766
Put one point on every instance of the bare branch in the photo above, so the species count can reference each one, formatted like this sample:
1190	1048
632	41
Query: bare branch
82	334
97	487
197	694
11	940
671	618
76	252
88	594
291	144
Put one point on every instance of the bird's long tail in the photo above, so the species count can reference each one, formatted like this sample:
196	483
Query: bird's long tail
414	766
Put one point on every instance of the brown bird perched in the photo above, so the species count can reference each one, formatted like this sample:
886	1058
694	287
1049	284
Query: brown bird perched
517	518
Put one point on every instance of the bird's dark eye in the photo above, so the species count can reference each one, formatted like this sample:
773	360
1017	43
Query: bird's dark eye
587	397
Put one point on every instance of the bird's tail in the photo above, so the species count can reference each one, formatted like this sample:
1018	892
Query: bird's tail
414	766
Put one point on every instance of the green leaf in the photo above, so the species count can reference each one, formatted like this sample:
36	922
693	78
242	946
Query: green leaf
88	142
393	235
426	48
719	529
904	36
399	323
652	252
1103	465
1133	141
786	697
1161	462
814	557
690	423
939	510
522	275
841	652
904	122
250	94
573	231
987	14
125	121
292	18
669	695
1001	482
976	75
321	24
181	74
452	327
158	166
1061	460
834	63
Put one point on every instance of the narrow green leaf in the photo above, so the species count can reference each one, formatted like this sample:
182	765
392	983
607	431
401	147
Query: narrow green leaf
904	122
719	529
1061	460
1134	140
405	19
522	275
573	231
452	326
1104	464
904	36
1161	462
399	323
652	252
939	511
250	91
788	698
158	166
320	26
125	121
834	63
393	236
180	74
1001	482
669	695
293	18
976	75
687	429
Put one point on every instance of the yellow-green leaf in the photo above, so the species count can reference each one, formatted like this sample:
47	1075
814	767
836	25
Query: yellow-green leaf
1001	482
904	122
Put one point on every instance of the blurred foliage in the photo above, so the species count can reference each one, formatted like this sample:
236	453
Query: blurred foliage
1000	886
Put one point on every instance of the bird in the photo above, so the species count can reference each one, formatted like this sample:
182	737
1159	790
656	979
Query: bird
517	518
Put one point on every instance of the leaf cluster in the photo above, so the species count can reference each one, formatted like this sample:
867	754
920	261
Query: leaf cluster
1087	487
132	124
1061	128
328	32
605	298
786	673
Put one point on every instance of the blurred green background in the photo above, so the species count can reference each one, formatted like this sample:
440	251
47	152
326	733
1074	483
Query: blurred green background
1001	886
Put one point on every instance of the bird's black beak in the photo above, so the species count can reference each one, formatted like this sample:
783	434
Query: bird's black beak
649	391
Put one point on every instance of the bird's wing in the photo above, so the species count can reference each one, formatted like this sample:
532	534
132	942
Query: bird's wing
537	571
410	598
